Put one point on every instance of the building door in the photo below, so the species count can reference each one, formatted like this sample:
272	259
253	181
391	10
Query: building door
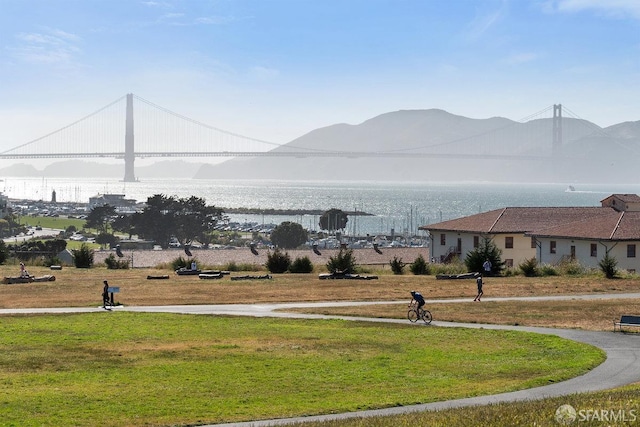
459	247
573	252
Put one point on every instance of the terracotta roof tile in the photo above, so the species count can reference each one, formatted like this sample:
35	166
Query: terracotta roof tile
626	198
601	223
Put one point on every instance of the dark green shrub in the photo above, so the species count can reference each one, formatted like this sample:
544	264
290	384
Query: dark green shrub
487	250
278	262
301	265
397	266
232	266
419	266
181	262
52	260
608	265
4	252
83	257
548	270
116	264
511	272
530	267
343	262
572	268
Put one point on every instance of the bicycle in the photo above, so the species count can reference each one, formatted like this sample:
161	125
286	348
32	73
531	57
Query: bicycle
416	313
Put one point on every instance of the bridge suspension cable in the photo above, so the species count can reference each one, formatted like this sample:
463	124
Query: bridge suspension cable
160	132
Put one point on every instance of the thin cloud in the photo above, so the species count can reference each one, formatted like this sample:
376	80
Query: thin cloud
51	47
214	20
485	21
522	58
612	8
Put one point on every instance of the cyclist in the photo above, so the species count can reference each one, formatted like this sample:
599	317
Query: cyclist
418	298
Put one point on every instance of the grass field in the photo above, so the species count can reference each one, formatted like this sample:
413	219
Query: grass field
164	369
187	370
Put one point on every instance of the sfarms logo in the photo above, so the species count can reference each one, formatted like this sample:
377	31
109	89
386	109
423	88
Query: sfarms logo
567	415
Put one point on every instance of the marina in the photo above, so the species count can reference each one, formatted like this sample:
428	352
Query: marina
391	208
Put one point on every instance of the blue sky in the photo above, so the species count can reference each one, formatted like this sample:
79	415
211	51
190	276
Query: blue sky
277	69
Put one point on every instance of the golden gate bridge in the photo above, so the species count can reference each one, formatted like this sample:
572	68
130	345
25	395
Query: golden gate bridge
114	132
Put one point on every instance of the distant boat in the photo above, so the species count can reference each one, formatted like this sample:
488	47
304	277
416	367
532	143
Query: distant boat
570	188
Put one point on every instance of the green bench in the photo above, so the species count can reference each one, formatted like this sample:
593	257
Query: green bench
626	321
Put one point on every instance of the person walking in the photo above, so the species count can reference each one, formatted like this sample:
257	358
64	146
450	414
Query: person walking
105	294
479	283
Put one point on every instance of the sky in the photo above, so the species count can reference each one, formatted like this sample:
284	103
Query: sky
278	69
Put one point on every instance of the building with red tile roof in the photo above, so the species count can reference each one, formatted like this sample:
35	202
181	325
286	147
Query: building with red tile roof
550	234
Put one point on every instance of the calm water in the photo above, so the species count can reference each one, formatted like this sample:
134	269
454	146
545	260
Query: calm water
398	206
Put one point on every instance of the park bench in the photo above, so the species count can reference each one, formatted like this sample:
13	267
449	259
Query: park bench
626	320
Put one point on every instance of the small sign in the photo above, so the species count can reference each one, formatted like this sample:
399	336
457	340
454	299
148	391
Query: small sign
113	289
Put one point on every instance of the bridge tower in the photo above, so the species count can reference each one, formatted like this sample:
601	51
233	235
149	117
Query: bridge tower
557	130
129	155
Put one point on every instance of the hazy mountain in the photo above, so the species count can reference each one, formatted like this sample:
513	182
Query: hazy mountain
436	131
82	168
588	153
19	169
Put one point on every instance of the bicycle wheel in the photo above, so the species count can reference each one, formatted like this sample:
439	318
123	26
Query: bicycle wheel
412	315
426	316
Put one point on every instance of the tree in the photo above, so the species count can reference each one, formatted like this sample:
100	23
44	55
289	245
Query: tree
288	235
106	239
278	262
419	266
397	265
83	257
123	223
333	219
4	227
487	250
194	219
100	218
165	217
343	262
608	265
4	252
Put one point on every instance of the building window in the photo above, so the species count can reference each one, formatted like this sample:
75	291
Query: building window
631	251
594	249
443	239
552	247
476	241
533	243
508	263
508	242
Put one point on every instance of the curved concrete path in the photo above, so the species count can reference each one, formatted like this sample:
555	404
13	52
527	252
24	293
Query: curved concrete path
621	367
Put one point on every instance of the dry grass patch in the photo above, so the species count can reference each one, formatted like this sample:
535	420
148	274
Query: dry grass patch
594	315
82	287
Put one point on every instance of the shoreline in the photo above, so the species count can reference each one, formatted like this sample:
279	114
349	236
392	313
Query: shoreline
248	211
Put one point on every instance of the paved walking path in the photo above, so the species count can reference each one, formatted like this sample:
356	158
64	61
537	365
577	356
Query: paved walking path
621	367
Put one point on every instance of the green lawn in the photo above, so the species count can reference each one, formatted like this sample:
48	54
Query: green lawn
119	368
60	223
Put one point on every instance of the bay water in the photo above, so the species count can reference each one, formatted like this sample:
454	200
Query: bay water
401	207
